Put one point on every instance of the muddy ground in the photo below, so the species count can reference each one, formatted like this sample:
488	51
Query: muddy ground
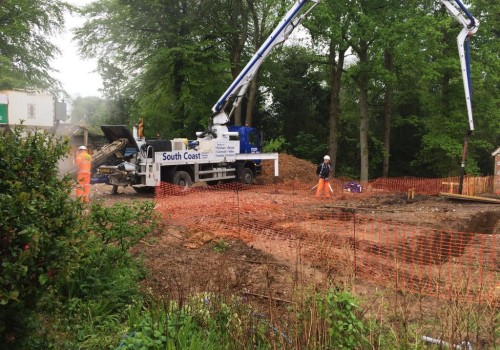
182	260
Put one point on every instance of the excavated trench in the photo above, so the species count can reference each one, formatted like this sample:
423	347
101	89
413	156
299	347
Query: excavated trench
484	222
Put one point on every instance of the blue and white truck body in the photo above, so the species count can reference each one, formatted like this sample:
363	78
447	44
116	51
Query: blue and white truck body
221	152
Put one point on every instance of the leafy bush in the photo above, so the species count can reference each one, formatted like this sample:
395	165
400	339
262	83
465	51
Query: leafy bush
94	301
40	226
307	146
105	265
67	277
204	322
278	144
333	316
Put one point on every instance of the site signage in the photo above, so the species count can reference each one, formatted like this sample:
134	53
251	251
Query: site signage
220	152
225	151
181	157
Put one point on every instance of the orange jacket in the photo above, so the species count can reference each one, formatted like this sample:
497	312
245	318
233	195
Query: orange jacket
83	162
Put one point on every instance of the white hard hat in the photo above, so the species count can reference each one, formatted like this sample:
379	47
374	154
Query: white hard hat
82	148
326	157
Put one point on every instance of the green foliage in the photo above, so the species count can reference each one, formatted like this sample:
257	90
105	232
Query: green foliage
169	62
161	55
94	112
334	316
57	263
220	246
278	144
204	322
122	225
39	225
307	146
92	303
299	95
25	48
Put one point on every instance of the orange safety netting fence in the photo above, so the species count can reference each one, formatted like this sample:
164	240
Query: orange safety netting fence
287	221
471	185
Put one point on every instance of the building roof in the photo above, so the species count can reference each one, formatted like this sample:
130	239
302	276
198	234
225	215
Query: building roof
496	152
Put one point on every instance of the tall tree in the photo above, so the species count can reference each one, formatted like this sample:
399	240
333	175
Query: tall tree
162	54
299	109
238	19
362	34
329	28
174	58
394	30
265	15
25	46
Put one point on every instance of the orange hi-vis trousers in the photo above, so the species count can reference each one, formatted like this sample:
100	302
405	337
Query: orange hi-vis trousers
323	186
84	163
83	187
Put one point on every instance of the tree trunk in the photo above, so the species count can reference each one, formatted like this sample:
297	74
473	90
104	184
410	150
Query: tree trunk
335	80
257	40
363	111
388	60
363	129
237	44
252	92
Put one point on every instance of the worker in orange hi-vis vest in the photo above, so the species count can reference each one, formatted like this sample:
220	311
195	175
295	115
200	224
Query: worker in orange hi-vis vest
84	164
323	171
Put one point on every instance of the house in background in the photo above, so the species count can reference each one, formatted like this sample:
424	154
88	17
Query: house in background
34	109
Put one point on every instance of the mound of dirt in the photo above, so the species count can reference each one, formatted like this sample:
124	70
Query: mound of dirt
290	168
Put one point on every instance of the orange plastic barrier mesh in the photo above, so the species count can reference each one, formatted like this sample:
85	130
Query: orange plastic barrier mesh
471	185
288	222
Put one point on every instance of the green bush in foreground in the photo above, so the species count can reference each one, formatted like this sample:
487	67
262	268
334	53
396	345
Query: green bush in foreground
67	278
332	317
39	225
92	305
204	322
324	320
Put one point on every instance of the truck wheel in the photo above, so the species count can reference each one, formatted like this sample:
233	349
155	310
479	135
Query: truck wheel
246	176
181	178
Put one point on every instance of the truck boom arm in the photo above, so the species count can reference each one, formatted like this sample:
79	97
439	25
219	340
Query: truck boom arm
470	25
293	18
239	86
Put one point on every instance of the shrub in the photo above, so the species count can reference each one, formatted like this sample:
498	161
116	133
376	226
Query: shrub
93	302
275	145
307	146
203	322
39	225
333	318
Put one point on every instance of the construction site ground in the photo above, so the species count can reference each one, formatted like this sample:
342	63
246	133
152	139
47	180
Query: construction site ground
183	260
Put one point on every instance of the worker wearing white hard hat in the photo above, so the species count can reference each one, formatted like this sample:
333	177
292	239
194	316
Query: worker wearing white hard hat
84	164
323	172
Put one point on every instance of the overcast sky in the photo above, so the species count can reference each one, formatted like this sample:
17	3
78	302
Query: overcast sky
77	75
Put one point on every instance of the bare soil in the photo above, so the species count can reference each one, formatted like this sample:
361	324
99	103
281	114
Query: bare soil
182	260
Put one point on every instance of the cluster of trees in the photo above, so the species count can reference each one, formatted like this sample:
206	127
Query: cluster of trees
377	85
26	48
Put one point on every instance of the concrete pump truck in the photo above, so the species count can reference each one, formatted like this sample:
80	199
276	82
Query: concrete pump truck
232	153
220	153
